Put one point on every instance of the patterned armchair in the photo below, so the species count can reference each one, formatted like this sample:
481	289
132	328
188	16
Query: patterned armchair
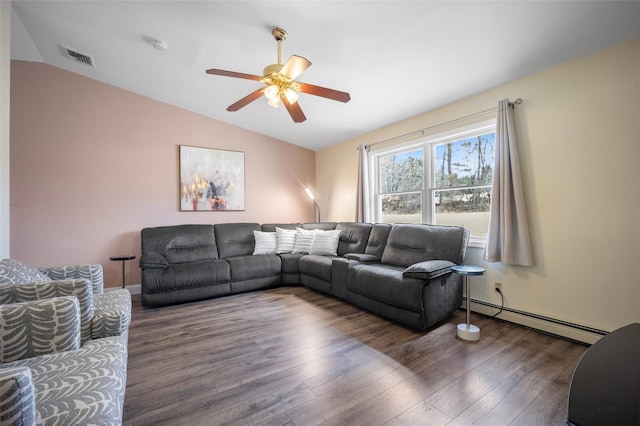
63	346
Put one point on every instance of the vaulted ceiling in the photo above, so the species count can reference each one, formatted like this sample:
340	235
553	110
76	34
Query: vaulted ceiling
397	59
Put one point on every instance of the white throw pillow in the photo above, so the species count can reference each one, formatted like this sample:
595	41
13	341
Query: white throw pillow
325	243
286	239
304	238
265	242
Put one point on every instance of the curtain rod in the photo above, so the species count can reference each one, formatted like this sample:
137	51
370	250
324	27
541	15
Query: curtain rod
466	117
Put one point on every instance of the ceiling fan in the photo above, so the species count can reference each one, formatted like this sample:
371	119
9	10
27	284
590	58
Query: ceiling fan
280	83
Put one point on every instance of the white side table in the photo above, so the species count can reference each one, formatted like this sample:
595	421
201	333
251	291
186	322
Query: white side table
468	331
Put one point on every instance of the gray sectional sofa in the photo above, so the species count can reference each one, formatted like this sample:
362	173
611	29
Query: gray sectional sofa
400	272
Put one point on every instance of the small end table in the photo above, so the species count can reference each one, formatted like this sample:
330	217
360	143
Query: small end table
468	331
123	259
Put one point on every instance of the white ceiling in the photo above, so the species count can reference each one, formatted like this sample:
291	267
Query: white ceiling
397	59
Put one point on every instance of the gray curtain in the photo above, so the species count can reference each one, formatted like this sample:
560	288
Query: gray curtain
508	239
362	196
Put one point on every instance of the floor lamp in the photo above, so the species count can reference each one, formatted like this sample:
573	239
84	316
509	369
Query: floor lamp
310	194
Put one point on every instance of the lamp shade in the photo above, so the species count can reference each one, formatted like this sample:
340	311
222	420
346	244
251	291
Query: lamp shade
309	193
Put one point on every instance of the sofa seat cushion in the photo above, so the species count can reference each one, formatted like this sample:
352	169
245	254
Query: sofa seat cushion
183	276
291	262
316	266
248	267
386	284
81	387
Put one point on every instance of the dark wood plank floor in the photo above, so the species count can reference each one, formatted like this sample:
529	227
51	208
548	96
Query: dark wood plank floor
290	356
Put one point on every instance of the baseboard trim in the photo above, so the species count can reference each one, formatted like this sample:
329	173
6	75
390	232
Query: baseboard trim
133	288
573	331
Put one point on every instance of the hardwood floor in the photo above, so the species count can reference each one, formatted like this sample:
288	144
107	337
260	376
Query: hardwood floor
290	356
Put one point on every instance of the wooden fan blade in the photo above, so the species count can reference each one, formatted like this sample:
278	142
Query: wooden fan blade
335	95
294	110
246	100
295	66
234	74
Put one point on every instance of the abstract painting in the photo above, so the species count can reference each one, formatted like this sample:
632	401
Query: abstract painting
211	179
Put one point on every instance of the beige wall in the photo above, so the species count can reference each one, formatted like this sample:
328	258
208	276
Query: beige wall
91	165
578	134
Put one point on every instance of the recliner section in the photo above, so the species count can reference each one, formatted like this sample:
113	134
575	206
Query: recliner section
399	272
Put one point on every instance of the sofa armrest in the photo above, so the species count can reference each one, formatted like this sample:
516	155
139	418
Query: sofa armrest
362	257
112	314
153	261
428	269
39	327
91	272
18	397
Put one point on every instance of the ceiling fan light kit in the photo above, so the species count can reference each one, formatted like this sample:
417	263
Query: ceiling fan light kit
281	86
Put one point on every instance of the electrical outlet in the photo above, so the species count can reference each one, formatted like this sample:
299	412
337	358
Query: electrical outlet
498	286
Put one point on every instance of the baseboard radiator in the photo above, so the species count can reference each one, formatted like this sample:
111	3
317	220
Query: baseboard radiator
565	329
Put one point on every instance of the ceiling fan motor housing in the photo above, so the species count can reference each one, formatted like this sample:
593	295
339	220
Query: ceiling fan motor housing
272	69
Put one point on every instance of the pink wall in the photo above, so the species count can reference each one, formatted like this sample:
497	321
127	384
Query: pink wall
91	165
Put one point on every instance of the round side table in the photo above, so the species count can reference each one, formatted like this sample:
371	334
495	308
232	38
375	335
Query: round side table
468	331
123	259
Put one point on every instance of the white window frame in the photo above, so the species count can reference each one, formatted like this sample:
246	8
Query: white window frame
428	145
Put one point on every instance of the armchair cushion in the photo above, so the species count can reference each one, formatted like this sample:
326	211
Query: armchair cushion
13	272
429	269
39	327
81	289
17	395
91	272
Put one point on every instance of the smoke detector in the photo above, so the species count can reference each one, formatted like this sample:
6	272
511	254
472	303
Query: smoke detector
160	45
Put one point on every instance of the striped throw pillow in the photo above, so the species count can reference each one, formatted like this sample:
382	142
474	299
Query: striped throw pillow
325	243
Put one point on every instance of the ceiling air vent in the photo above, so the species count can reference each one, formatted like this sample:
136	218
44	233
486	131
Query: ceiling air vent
77	56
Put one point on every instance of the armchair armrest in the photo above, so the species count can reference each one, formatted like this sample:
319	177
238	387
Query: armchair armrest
112	314
17	394
362	257
39	327
91	272
153	261
428	269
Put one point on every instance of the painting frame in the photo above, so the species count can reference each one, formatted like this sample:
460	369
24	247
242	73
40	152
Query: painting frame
211	179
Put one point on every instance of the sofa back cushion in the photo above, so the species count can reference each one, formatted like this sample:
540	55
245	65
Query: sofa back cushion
413	243
271	227
325	226
181	243
378	239
235	239
353	237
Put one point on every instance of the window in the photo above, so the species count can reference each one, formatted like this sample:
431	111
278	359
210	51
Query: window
444	179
